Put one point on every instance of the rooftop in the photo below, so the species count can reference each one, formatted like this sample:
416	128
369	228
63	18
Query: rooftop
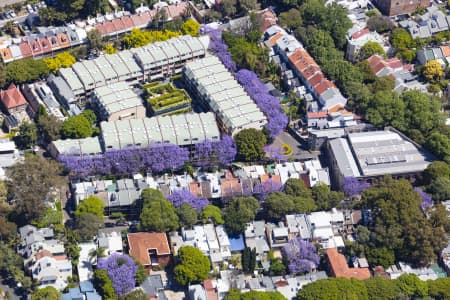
140	243
340	268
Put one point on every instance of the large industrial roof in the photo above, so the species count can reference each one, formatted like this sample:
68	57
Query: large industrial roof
386	152
344	158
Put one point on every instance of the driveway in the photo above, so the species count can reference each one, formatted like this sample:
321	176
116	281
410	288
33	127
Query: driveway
298	151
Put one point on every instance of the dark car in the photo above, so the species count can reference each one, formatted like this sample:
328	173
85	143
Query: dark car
121	223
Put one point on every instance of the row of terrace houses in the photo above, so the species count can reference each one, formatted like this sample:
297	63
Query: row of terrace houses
50	40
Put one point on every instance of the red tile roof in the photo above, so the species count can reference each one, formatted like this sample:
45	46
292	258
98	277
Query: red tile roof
46	45
445	51
319	114
394	63
36	48
138	20
268	18
127	22
25	49
118	25
194	188
310	71
211	292
360	33
109	27
6	54
177	10
63	40
54	43
323	86
101	28
340	268
141	242
316	79
273	40
12	97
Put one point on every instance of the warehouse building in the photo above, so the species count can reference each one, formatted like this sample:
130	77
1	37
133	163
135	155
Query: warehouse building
181	130
370	155
154	61
117	102
219	91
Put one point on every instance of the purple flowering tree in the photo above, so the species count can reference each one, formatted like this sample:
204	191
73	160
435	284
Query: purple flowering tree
301	255
155	158
262	190
218	46
226	150
353	187
121	270
274	153
268	104
184	196
427	201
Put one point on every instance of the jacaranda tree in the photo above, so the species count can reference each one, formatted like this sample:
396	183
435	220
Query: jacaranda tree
121	269
180	197
269	105
301	255
352	186
427	201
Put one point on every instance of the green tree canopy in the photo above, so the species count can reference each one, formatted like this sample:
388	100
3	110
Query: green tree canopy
334	289
278	204
213	213
190	27
192	267
187	215
30	183
236	294
88	225
103	285
47	293
291	19
401	39
239	212
27	137
370	48
76	127
399	224
159	215
91	204
435	170
325	198
380	288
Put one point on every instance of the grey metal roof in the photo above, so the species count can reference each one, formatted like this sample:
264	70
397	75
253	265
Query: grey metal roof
224	95
184	129
386	152
344	158
71	78
90	145
115	98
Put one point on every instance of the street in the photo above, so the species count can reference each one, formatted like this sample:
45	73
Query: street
19	19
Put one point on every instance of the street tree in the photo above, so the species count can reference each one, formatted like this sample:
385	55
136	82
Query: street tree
30	183
159	216
192	267
239	212
91	204
27	136
211	213
46	293
250	143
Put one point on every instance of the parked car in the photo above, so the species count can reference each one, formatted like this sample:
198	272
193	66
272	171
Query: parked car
121	223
